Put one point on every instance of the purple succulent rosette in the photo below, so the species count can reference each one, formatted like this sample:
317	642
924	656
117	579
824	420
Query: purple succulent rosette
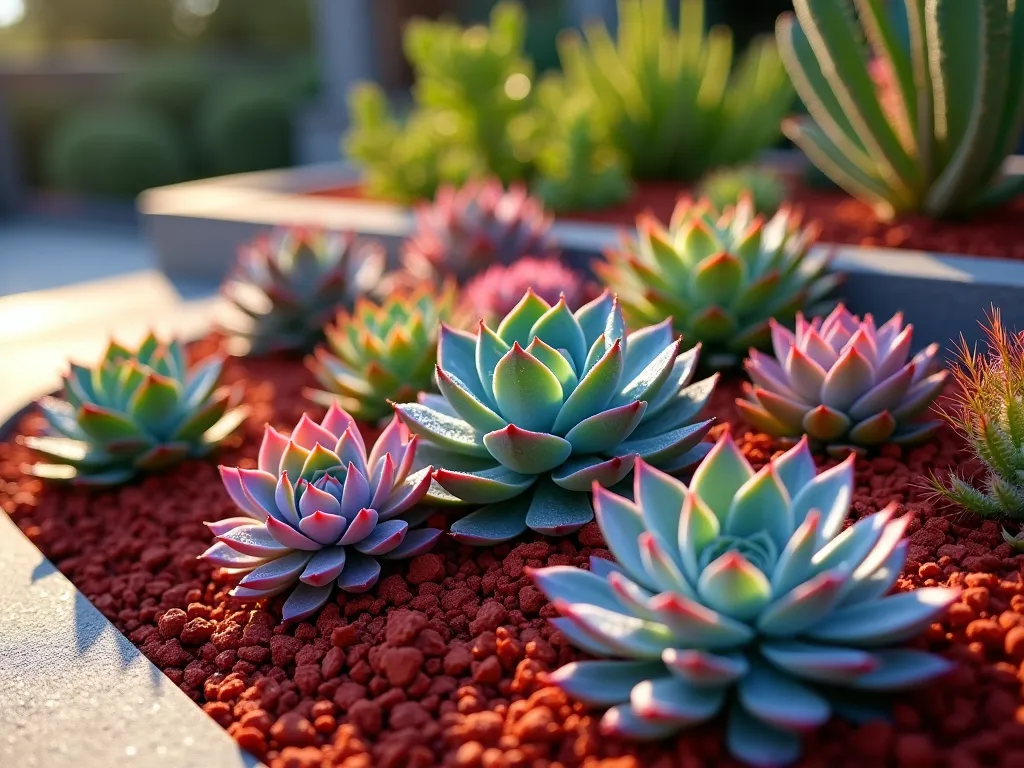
321	512
844	383
745	593
531	414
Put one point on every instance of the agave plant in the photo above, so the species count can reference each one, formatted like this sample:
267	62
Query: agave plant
381	352
531	414
497	290
319	512
744	593
912	109
844	383
672	100
720	277
467	229
289	283
987	408
136	411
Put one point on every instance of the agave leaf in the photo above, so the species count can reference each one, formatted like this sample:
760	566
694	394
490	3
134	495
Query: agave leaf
663	449
660	500
559	329
466	404
602	432
518	324
831	492
485	486
622	525
594	391
761	504
527	452
456	354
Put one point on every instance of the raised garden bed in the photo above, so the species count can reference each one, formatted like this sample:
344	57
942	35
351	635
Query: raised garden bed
443	662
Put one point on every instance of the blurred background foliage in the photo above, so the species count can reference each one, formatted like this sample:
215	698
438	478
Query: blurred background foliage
165	90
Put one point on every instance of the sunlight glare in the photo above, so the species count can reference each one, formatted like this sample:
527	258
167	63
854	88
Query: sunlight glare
11	12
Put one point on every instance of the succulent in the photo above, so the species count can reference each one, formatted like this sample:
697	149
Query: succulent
578	168
289	283
134	412
987	408
531	414
381	352
844	383
916	119
320	512
471	112
742	593
497	290
725	187
671	98
470	228
720	277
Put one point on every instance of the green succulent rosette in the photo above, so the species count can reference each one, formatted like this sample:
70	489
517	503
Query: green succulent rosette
534	412
134	412
744	594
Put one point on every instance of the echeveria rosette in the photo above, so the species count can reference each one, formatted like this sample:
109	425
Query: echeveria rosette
496	291
136	411
845	383
742	593
321	512
532	413
720	276
288	284
381	352
467	229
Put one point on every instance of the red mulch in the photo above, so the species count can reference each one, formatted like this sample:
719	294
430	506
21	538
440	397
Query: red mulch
843	219
443	663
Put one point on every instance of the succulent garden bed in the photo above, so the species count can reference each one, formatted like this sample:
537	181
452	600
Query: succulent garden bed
444	661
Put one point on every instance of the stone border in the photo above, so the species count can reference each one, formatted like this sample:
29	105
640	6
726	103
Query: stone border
197	226
75	691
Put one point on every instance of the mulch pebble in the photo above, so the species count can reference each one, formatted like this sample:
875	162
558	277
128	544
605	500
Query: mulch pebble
444	662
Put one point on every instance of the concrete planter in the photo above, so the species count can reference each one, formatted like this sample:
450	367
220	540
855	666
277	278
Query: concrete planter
196	227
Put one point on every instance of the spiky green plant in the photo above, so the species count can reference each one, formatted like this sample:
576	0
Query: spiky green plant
743	593
288	283
720	277
672	100
578	169
381	352
531	414
136	411
726	186
844	383
471	115
987	408
916	121
320	512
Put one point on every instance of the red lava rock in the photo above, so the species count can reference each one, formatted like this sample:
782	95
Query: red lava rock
444	663
367	716
401	665
292	730
424	568
172	622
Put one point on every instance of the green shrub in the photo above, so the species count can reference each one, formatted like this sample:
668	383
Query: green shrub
174	85
114	152
246	125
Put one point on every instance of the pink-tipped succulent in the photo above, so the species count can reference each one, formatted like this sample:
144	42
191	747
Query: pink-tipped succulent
495	292
844	383
467	229
320	512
